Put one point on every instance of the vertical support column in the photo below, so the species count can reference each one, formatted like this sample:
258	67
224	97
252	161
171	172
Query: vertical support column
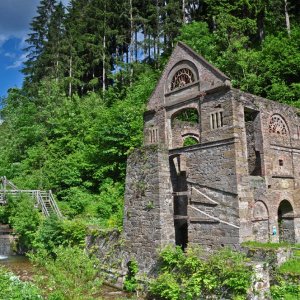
148	212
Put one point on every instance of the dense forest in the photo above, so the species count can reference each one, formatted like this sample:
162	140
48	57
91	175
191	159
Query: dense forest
90	69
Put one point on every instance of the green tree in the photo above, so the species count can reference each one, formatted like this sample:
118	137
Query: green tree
36	41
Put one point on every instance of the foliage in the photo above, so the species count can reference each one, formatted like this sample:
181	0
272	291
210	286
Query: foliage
291	266
55	232
25	219
190	141
12	288
285	288
130	282
91	68
269	245
73	146
187	276
264	70
71	275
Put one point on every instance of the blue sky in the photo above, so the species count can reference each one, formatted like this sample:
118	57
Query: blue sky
15	16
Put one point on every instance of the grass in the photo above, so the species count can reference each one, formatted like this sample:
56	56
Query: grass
292	266
259	245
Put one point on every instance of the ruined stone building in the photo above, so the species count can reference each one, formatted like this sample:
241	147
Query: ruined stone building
218	167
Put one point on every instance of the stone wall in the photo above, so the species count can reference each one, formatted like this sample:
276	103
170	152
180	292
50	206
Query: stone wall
108	247
211	186
148	215
7	244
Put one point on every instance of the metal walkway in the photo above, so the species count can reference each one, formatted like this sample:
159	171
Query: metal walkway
44	200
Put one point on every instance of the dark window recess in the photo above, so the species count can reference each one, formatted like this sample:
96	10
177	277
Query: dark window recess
251	118
216	120
280	162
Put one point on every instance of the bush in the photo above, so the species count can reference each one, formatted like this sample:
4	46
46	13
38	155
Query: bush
25	219
12	288
54	232
130	283
187	276
285	289
71	275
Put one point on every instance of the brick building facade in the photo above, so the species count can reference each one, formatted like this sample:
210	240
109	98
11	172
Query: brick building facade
218	166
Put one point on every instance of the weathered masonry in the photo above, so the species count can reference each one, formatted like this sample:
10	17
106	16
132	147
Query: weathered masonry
218	166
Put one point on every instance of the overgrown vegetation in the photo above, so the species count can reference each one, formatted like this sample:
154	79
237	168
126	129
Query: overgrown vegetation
12	288
188	276
291	266
71	275
130	283
287	281
268	245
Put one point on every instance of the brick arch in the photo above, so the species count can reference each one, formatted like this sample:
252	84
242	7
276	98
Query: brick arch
183	64
260	221
286	224
260	210
194	135
185	108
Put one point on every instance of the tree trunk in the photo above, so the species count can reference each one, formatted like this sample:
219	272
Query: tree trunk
131	42
183	12
287	18
70	76
103	64
136	45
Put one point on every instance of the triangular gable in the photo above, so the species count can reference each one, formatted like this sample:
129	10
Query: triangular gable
208	75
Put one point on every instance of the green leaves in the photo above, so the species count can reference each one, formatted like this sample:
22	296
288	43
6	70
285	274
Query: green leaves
271	70
71	275
12	288
188	276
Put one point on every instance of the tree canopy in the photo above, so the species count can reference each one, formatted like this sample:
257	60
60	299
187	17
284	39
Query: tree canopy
91	67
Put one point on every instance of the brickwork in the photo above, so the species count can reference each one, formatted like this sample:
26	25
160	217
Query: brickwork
240	182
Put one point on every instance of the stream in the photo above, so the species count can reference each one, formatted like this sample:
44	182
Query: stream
22	267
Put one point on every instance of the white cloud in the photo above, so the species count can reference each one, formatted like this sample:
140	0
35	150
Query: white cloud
10	55
3	39
18	63
15	17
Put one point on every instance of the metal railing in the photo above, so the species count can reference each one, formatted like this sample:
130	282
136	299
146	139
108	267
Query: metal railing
43	199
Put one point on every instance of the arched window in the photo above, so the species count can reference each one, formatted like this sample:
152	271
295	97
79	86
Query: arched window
277	125
190	141
286	224
181	78
187	115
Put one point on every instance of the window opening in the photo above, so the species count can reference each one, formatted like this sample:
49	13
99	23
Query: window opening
216	120
190	141
277	125
153	135
280	162
181	78
286	224
252	128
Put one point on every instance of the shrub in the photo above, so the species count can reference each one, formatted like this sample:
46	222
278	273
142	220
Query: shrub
54	232
130	283
71	275
25	219
12	288
224	274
